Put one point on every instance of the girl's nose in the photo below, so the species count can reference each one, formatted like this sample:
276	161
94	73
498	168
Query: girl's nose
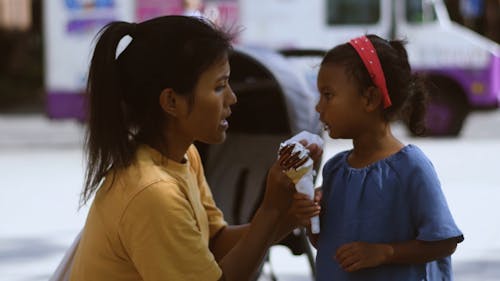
317	107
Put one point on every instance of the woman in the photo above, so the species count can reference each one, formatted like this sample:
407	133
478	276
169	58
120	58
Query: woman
153	216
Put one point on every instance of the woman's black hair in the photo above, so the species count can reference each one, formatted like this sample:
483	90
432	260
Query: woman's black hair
407	90
123	92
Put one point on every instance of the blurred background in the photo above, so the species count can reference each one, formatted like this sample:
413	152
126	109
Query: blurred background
45	47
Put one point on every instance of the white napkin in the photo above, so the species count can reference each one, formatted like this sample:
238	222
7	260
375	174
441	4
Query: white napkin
303	176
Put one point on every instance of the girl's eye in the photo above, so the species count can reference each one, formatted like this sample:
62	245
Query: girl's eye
327	95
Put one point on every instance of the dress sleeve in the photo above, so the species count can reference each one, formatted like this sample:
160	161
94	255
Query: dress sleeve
215	216
430	210
160	234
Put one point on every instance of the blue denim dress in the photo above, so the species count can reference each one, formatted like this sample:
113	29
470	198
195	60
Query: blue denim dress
393	200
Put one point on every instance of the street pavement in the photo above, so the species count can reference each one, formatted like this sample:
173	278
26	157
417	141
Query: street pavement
42	166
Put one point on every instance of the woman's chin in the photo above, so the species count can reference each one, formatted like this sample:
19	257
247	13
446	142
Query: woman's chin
216	139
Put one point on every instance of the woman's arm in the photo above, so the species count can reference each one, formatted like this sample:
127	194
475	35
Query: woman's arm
242	261
226	239
240	250
298	216
359	255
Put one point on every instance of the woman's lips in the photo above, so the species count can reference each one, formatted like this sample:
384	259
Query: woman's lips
224	124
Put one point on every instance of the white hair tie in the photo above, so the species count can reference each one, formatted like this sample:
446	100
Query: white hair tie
122	45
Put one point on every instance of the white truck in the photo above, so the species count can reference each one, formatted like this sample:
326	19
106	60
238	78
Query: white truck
463	65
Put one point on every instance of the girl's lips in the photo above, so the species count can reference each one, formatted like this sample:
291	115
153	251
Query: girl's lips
325	126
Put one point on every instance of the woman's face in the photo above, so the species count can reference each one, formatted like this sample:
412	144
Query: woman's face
206	119
340	105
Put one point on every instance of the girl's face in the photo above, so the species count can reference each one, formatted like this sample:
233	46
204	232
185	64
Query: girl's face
206	119
340	105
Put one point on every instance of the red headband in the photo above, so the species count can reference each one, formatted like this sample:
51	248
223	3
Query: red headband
368	55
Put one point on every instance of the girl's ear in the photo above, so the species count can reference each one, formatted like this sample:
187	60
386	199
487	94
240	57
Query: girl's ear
372	99
168	102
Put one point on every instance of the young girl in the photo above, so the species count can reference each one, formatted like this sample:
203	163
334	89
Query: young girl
153	216
384	215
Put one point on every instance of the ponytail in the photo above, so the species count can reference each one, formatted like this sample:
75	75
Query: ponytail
123	91
414	102
107	140
415	106
399	46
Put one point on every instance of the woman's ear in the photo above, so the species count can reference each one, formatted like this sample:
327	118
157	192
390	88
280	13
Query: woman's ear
168	102
372	99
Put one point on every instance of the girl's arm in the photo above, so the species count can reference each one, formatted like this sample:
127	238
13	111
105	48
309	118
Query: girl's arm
417	251
359	255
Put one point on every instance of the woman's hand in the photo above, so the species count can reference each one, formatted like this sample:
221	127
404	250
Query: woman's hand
313	238
302	210
279	188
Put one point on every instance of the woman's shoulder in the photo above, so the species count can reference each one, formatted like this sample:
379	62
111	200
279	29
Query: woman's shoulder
165	194
129	191
146	171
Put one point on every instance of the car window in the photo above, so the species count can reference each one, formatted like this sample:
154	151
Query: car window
353	11
420	11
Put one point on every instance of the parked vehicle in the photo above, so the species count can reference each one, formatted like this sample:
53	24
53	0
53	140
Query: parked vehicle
463	66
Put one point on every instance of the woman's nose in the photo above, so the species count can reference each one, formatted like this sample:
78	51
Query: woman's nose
231	97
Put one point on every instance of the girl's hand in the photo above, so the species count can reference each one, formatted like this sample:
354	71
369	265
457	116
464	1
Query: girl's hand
315	151
318	195
302	210
358	255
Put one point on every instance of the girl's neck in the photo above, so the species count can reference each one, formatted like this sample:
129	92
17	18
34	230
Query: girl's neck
373	146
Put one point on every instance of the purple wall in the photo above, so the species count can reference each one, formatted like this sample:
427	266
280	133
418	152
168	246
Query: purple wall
63	105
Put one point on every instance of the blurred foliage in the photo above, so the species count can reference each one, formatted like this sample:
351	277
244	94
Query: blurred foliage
21	66
21	70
